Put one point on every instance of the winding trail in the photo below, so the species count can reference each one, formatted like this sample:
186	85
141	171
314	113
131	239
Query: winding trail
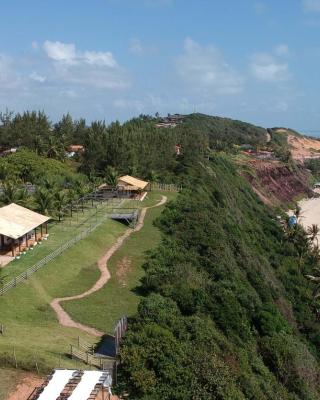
63	317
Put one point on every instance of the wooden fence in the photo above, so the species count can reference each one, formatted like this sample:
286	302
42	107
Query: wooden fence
30	271
119	331
168	187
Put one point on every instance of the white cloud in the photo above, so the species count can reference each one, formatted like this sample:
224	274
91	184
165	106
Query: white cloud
311	5
67	53
87	68
205	69
37	77
63	52
99	58
267	68
282	50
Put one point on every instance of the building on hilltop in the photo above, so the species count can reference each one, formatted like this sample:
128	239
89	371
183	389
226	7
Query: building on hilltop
171	121
131	184
127	187
20	228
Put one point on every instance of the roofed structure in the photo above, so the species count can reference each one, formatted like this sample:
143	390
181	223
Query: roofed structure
17	221
128	182
75	385
76	148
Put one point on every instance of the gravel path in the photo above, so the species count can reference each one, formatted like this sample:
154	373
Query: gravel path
63	317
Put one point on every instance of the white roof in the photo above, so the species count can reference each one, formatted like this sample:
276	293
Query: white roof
86	385
56	384
16	221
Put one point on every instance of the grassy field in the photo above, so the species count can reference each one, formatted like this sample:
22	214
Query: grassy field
119	297
59	233
33	336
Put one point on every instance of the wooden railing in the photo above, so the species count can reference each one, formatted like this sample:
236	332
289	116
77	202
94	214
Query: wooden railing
168	187
104	363
82	344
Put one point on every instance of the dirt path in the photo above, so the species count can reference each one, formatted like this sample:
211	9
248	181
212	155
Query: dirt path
63	317
25	387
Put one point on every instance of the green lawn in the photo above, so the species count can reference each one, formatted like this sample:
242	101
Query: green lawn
32	331
119	297
59	233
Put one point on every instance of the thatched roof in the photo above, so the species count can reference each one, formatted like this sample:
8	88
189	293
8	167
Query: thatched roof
16	221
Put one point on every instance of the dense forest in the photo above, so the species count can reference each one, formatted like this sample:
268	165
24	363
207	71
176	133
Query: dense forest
228	311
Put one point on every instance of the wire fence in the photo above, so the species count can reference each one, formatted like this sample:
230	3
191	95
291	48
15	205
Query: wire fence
89	198
31	270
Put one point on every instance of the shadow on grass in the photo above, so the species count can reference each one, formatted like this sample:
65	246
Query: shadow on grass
106	346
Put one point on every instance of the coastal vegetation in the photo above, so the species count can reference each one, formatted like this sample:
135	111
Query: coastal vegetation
222	297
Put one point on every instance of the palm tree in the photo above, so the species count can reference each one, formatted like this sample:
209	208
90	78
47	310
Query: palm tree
111	176
13	194
59	202
313	232
44	200
315	278
10	192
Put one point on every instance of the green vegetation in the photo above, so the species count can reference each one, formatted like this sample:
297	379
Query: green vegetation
32	330
59	233
121	294
223	300
314	166
223	133
31	325
227	309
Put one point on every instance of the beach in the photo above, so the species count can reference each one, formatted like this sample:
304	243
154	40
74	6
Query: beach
310	212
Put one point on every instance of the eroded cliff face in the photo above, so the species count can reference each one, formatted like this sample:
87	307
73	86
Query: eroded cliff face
277	184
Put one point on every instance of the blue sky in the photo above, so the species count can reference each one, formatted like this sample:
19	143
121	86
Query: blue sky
254	60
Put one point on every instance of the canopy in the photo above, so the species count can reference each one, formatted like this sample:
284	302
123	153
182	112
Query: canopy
16	221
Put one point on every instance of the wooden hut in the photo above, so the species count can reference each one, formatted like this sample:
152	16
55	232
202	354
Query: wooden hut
20	228
132	185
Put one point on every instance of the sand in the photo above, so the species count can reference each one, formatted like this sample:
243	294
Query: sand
302	147
310	212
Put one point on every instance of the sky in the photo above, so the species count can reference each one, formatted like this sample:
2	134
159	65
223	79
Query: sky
253	60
